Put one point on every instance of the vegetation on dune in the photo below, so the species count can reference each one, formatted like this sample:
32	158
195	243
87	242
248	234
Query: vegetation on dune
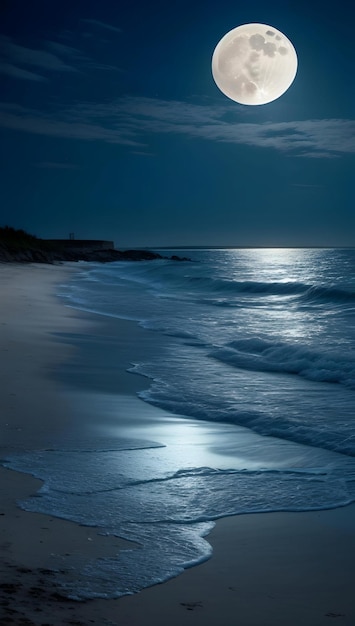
17	237
26	247
18	245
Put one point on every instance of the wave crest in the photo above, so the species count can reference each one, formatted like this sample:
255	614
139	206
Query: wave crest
264	355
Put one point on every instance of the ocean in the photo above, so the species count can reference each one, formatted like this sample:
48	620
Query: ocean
247	404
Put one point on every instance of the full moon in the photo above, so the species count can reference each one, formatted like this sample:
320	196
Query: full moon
254	64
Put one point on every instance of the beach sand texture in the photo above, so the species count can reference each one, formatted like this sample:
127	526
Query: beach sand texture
267	569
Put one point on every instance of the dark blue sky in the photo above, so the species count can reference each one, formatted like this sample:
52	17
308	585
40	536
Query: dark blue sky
112	126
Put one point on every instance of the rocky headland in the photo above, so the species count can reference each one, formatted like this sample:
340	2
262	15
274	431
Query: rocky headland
17	246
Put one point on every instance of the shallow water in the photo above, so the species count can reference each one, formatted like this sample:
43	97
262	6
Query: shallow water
248	404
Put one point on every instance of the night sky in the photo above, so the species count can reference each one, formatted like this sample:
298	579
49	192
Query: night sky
112	126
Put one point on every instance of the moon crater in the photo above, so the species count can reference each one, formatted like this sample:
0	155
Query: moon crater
254	64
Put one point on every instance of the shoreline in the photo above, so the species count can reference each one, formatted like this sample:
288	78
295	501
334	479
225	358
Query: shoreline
267	569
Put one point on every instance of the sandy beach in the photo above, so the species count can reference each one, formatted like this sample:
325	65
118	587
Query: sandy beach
267	569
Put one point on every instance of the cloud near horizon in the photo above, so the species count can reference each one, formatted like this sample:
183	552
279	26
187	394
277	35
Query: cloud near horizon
130	121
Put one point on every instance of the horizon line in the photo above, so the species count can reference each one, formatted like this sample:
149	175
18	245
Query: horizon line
248	246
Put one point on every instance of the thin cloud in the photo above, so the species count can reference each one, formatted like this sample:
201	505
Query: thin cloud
319	155
115	29
141	153
20	55
17	118
78	58
19	61
328	138
131	121
17	72
63	49
306	185
51	165
16	61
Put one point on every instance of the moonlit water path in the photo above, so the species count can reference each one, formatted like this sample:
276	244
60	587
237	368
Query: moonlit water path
234	339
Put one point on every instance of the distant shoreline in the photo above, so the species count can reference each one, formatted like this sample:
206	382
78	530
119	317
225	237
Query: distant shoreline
18	246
